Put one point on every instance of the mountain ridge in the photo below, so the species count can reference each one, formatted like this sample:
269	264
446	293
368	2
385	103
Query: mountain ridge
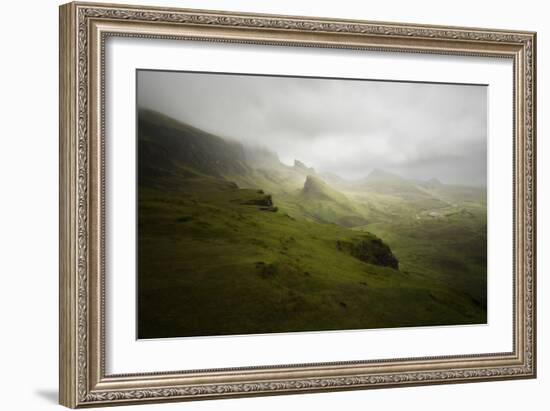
169	147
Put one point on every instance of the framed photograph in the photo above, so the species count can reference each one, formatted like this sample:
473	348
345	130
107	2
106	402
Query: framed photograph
260	204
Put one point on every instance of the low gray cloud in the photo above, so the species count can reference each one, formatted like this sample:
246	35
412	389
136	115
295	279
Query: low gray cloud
346	127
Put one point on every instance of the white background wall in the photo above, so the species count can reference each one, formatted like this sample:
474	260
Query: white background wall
29	189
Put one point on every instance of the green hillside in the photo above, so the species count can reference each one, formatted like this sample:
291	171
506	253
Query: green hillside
231	241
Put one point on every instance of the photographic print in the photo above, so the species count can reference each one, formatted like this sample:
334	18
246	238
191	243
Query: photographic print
276	204
309	212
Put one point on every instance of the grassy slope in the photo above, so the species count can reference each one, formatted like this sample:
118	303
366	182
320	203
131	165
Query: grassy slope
435	230
211	265
446	243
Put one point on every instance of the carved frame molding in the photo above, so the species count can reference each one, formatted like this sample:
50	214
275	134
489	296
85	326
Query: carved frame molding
83	30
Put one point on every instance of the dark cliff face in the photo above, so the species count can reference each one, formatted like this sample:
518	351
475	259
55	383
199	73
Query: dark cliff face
312	185
168	146
316	188
262	200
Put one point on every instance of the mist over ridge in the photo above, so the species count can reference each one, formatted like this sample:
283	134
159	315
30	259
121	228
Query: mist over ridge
347	128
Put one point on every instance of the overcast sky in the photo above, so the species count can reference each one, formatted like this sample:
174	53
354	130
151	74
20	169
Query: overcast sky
346	127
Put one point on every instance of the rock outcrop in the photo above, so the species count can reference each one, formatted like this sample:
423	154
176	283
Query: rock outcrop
370	250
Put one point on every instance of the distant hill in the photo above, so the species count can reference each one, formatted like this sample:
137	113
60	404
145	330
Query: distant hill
432	183
380	176
384	182
455	194
315	188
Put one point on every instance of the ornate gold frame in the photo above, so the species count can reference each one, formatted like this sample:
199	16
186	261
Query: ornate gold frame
83	30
